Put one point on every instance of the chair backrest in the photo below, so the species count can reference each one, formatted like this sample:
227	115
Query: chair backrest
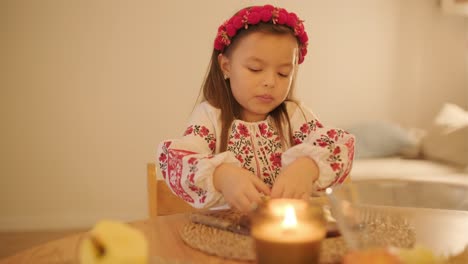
161	200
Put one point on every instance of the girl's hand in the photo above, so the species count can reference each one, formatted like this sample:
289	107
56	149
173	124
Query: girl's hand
240	188
296	180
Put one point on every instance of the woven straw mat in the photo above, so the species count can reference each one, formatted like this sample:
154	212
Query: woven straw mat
230	245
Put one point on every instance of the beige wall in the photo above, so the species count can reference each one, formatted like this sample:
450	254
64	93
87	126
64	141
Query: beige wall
89	88
432	65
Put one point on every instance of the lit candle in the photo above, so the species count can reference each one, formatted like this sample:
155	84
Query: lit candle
288	231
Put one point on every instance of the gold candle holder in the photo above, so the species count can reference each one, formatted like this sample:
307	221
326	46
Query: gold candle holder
288	231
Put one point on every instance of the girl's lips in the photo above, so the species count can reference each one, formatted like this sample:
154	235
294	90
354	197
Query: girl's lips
265	98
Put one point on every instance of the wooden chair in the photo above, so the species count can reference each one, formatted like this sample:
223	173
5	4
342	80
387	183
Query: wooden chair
161	200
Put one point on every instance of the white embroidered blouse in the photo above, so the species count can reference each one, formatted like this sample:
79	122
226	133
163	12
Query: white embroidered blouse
187	164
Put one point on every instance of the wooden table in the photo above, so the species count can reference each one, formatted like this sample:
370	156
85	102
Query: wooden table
166	246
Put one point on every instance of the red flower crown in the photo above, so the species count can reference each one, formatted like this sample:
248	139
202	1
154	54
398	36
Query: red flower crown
257	14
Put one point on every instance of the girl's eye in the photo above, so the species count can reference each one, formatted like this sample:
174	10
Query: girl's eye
254	69
283	74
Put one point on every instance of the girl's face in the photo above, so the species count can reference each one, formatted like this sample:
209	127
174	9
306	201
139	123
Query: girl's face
261	68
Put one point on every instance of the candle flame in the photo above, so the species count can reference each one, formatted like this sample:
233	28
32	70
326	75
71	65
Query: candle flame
290	219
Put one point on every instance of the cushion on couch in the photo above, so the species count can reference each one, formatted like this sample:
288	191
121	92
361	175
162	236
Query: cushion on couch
379	138
447	138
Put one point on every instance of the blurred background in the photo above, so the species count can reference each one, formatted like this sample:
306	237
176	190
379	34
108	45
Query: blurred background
89	88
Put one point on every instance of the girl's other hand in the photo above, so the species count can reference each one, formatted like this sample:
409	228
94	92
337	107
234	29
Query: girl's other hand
296	180
241	189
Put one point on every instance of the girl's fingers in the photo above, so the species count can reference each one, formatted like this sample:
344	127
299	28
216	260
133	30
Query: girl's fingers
260	185
277	190
243	204
254	198
288	193
298	195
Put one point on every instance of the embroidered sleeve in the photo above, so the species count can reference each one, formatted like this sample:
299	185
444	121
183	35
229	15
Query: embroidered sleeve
331	148
187	164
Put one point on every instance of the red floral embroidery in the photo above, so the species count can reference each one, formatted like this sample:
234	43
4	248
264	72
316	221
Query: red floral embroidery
260	154
191	177
336	151
174	172
163	158
322	143
212	145
239	158
243	130
188	131
263	129
336	163
335	166
305	130
258	148
275	158
350	145
204	133
332	134
171	164
240	145
202	199
328	141
246	150
193	169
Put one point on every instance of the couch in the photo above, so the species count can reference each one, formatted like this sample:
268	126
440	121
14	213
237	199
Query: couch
399	167
386	149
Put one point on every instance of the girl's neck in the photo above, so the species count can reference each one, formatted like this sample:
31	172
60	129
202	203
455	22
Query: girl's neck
252	118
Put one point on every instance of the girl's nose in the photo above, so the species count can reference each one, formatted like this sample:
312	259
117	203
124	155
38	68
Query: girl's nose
270	79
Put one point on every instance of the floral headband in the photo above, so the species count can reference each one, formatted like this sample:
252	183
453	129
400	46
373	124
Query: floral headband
256	14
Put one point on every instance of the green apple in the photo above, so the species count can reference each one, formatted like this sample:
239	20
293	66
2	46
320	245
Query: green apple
113	242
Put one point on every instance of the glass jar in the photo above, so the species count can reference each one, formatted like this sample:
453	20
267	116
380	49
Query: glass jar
288	231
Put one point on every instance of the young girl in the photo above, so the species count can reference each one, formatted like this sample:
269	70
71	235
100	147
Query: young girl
248	137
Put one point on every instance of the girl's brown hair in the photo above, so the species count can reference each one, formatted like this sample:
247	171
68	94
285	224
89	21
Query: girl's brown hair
217	91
